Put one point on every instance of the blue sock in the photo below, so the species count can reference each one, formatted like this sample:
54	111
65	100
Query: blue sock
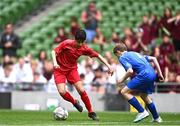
152	109
134	102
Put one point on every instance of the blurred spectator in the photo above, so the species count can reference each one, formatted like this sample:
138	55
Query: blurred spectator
89	76
146	38
162	62
28	58
74	25
163	23
48	69
37	76
108	56
23	71
178	78
175	21
6	59
42	57
129	39
34	66
115	37
82	77
112	80
154	27
174	66
99	38
128	44
90	18
62	35
89	61
81	68
10	42
167	48
7	75
99	81
153	21
139	45
172	77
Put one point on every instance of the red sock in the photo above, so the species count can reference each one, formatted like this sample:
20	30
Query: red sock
67	96
86	101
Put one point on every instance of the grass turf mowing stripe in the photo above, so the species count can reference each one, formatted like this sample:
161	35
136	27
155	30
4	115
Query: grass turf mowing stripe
45	118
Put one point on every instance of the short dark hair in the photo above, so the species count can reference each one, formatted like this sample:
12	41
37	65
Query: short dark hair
7	64
165	35
80	35
120	47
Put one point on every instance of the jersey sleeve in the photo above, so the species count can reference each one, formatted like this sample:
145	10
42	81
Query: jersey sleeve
125	63
146	57
90	52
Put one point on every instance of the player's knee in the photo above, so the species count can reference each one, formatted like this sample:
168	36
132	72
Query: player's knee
146	99
79	87
62	92
80	90
123	91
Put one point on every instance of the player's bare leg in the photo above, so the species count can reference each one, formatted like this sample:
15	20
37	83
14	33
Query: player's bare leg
146	98
67	96
80	89
126	92
149	103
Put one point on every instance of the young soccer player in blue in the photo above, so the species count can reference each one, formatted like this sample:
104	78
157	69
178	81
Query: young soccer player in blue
143	82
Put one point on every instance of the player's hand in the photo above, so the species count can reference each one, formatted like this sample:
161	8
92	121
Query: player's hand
161	78
120	86
56	66
120	81
111	71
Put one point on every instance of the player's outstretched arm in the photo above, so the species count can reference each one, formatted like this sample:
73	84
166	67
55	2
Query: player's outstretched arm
154	60
53	53
103	60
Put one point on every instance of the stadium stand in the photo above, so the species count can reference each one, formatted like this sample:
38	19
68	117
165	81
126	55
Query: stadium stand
44	31
14	10
40	34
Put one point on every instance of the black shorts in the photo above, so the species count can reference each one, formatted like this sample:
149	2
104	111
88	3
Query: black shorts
176	44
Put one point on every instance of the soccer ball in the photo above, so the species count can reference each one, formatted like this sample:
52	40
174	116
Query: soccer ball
60	113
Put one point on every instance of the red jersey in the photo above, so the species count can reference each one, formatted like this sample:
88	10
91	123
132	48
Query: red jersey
67	54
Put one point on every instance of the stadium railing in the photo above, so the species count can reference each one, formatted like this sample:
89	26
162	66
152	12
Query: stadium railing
24	86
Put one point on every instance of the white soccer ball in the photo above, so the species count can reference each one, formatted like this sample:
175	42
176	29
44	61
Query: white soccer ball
60	113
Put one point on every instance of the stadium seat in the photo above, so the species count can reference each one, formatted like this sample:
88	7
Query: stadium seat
14	10
116	16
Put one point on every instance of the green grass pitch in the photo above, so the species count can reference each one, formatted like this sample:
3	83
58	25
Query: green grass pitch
45	118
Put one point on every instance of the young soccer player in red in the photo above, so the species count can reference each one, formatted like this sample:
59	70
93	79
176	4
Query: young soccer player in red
65	57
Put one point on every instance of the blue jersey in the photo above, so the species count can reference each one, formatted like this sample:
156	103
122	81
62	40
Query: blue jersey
135	61
144	80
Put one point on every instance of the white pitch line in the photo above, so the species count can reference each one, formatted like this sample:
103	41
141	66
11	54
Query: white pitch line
103	124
